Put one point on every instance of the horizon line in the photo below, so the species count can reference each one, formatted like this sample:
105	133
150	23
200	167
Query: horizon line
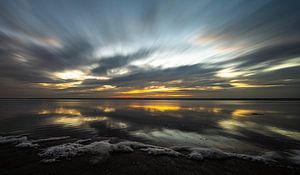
104	98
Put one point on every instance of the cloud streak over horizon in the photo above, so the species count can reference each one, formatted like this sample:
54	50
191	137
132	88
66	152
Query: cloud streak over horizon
149	48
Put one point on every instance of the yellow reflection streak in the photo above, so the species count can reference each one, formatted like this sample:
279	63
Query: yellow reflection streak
216	110
232	124
243	112
106	109
61	110
154	108
77	121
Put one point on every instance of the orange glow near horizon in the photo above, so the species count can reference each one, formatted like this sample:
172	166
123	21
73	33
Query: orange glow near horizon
163	91
157	107
151	89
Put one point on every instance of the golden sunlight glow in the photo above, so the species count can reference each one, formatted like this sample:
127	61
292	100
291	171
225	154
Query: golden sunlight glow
229	73
232	124
157	107
167	95
106	109
96	77
243	112
61	110
104	87
243	85
77	75
77	121
70	75
152	89
101	88
44	112
170	90
216	110
60	85
67	111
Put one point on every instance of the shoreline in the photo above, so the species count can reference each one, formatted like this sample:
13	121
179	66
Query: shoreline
155	99
133	163
116	157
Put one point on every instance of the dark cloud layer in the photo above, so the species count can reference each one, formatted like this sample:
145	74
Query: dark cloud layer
142	48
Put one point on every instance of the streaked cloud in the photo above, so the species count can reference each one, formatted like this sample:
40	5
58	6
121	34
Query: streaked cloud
149	48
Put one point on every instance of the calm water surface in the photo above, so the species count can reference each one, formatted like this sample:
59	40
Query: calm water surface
240	126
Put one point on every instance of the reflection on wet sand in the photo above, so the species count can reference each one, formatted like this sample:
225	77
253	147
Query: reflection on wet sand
106	109
231	124
169	135
291	134
60	110
73	117
157	107
205	109
77	121
183	138
234	126
116	124
190	128
245	113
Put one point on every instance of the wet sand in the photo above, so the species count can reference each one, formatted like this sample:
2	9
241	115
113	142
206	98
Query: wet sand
235	128
17	161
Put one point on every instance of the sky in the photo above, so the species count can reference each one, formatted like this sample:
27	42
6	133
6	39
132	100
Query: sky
150	48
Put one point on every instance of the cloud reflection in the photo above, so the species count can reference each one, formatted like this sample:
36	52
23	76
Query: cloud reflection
244	113
77	121
157	107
